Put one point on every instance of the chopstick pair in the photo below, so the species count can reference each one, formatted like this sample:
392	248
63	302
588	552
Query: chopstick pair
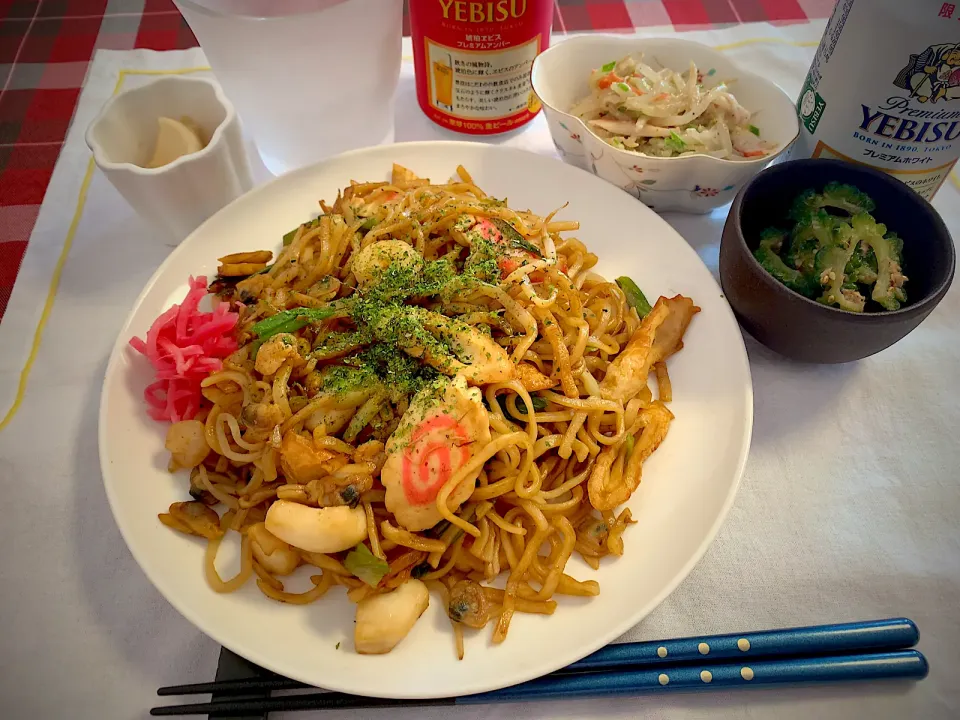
870	650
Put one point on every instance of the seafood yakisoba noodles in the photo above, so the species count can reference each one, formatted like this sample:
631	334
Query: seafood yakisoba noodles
425	389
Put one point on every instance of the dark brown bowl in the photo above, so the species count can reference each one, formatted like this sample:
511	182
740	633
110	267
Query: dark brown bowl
800	328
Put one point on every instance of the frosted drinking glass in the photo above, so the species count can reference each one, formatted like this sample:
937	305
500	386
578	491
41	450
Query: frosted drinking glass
309	78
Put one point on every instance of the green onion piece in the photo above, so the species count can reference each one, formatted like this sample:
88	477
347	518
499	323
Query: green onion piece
609	66
369	224
365	565
513	237
420	570
539	405
630	443
624	87
525	244
754	129
288	237
290	326
441	527
675	142
635	297
290	321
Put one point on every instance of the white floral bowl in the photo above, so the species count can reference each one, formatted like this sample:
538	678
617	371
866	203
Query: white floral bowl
692	183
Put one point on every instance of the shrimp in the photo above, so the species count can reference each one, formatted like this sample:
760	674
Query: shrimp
513	249
373	261
276	351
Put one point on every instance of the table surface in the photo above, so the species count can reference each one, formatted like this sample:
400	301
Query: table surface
46	47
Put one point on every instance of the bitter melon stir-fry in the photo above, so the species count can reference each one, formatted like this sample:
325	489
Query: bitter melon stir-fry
425	390
665	113
836	252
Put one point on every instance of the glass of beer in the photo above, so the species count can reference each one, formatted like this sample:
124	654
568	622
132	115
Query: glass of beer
443	83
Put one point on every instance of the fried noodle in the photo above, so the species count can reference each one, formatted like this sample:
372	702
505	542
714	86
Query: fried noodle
465	383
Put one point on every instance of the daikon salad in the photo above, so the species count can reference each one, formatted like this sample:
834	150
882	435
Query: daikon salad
665	113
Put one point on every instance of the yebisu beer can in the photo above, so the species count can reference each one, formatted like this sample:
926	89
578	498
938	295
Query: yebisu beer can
884	90
472	61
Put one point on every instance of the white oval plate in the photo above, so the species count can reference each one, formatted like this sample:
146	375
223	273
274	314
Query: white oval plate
688	485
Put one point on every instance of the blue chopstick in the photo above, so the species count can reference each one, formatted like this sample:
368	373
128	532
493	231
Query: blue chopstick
871	650
890	634
838	668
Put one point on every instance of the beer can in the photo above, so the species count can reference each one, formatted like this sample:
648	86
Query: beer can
884	90
473	58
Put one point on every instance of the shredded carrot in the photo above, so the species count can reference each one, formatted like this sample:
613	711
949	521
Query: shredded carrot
609	80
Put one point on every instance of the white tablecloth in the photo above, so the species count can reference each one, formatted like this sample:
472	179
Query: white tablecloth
848	509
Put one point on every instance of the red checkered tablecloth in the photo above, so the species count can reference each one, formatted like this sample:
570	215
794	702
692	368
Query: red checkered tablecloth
46	46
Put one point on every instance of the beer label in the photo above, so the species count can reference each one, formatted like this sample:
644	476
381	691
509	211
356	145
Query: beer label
480	85
925	181
473	60
884	90
810	106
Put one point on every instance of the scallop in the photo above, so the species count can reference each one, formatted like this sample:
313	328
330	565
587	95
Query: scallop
384	620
